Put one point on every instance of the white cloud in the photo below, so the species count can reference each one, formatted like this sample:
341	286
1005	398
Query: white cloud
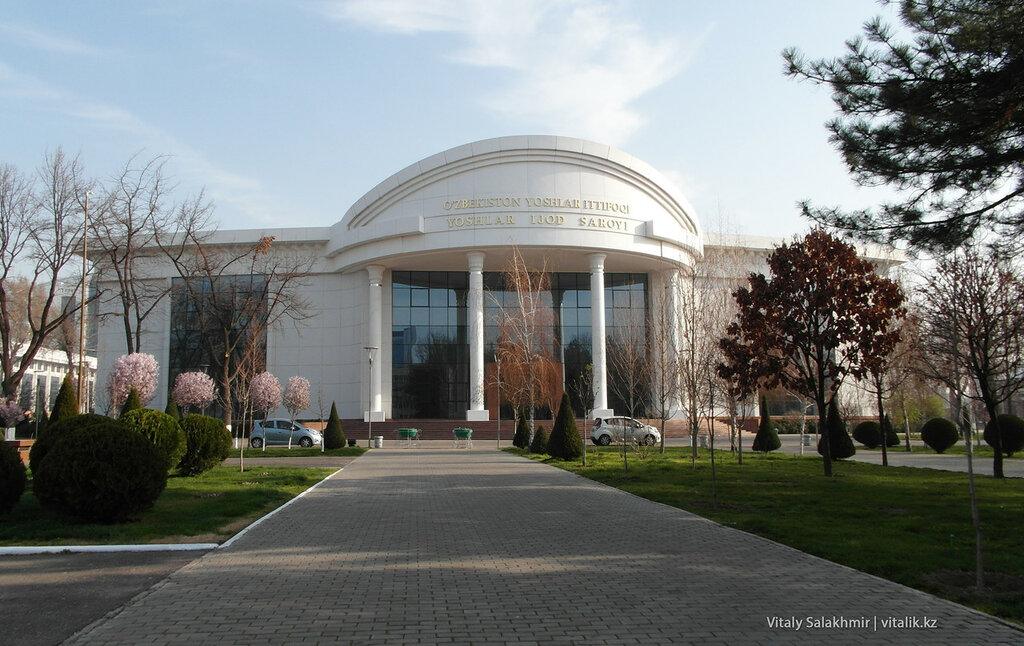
242	195
46	41
576	66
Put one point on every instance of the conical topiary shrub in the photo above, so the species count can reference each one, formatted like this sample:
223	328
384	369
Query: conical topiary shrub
133	402
539	444
840	444
891	439
565	442
334	437
172	408
66	404
767	439
522	437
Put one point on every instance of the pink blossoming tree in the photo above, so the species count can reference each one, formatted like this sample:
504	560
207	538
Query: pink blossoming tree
296	399
137	370
194	389
265	394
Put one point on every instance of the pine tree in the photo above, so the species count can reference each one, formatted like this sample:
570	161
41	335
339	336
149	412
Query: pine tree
840	444
66	404
522	437
172	408
334	437
565	442
539	444
132	403
767	439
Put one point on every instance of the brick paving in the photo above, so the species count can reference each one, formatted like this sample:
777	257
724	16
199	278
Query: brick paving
441	546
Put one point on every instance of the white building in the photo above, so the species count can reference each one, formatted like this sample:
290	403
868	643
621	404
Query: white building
413	269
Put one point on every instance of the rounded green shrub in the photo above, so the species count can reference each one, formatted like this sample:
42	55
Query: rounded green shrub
539	443
939	434
55	430
159	428
1011	432
334	437
522	437
101	473
12	477
208	444
868	433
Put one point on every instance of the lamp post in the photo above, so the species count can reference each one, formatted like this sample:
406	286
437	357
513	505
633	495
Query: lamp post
370	349
82	404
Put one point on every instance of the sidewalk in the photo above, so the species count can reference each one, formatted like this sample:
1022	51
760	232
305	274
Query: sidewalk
413	546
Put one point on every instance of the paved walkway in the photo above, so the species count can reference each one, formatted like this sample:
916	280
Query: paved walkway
439	546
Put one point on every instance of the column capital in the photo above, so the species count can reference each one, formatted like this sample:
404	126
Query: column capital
597	262
376	273
476	260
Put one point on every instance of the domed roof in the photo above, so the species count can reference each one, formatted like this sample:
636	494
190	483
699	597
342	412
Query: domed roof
525	191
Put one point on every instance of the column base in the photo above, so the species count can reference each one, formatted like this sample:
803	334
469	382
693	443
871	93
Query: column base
373	416
478	415
602	412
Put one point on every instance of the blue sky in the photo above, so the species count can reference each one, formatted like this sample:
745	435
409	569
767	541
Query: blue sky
287	111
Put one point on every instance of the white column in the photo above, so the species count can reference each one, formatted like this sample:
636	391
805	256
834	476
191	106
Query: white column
375	326
597	334
476	412
671	319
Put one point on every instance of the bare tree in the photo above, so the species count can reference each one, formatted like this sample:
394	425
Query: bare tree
132	216
41	227
664	355
530	372
234	294
974	326
629	368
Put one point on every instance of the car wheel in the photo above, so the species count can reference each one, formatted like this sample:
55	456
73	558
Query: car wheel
256	442
305	442
604	440
649	440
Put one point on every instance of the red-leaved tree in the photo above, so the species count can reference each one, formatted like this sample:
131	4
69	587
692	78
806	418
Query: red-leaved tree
820	317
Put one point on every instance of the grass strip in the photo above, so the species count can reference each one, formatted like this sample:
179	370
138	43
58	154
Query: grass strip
208	508
908	525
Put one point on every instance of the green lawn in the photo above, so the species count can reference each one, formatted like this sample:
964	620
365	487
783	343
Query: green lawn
209	508
904	524
299	452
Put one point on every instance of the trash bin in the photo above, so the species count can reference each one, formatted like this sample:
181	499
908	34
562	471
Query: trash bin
703	441
378	442
351	442
807	440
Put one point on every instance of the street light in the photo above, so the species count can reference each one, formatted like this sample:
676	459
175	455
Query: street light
370	349
82	404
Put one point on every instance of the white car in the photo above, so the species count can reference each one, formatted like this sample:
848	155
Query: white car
616	429
279	431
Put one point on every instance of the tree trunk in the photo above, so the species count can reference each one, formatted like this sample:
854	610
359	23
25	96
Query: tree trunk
997	442
881	426
979	552
823	429
906	423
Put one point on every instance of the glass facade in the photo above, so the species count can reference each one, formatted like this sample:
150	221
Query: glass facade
211	320
429	344
430	347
